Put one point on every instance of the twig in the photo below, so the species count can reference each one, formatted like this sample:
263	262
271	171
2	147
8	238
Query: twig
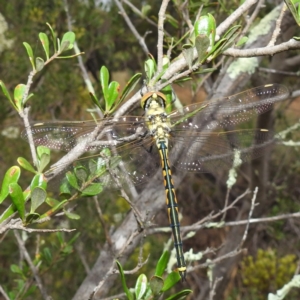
98	208
212	291
17	224
3	293
139	13
78	247
253	16
277	29
32	266
270	50
234	16
160	35
249	217
139	38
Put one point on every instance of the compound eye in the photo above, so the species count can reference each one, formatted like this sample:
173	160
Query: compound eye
155	96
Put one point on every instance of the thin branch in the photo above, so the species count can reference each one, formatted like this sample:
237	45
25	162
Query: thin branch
139	38
18	225
234	16
270	50
160	35
3	293
277	29
249	217
139	13
31	266
253	16
98	208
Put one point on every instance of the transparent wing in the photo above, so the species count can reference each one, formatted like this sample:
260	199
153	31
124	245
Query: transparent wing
208	152
66	135
228	111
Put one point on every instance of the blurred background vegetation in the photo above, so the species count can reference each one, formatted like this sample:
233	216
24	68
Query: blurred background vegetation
60	94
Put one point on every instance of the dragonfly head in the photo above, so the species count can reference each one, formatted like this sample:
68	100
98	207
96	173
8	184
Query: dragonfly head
149	97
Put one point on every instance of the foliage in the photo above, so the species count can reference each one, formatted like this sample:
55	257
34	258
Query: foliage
29	202
267	272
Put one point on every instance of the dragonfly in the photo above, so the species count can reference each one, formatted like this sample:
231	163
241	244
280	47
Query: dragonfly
200	137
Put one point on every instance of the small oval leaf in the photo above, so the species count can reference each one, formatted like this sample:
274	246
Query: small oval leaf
25	164
17	198
12	175
140	286
30	54
67	41
45	43
19	92
38	197
93	189
39	62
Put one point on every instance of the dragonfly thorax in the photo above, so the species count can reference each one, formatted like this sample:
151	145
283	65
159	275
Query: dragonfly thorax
157	120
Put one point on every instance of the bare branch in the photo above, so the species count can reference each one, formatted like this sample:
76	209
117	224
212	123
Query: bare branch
160	33
32	266
270	50
139	38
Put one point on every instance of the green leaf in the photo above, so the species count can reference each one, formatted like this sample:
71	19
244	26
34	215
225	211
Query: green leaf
25	164
7	95
42	150
242	41
19	92
64	188
172	20
140	286
31	217
12	175
38	197
51	211
71	215
125	288
112	95
43	162
171	280
150	68
67	41
74	238
45	43
162	263
188	53
206	25
156	283
17	198
131	84
72	180
293	10
39	62
104	78
47	255
145	9
39	180
30	54
181	295
60	238
81	173
93	189
96	100
202	44
52	202
15	269
53	36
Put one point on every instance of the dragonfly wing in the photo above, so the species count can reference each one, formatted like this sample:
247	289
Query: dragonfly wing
130	164
66	135
228	111
208	152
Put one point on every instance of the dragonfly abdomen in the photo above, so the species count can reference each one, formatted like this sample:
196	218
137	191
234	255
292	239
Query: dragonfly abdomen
172	207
